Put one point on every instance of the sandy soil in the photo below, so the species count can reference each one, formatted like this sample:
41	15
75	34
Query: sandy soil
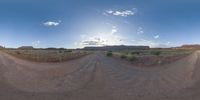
96	77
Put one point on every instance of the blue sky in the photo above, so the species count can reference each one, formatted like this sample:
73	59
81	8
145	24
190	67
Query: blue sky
79	23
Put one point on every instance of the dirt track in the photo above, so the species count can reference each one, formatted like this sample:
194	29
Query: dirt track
96	77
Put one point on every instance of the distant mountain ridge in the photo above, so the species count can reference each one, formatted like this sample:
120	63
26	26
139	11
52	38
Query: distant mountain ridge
116	47
191	46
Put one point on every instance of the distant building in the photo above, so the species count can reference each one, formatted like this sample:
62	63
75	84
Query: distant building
26	47
116	48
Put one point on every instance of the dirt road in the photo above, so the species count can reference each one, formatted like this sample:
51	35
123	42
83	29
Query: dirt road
96	77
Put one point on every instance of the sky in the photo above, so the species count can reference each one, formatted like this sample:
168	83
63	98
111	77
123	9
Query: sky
80	23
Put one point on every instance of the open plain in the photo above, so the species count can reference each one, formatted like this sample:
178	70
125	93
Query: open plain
97	77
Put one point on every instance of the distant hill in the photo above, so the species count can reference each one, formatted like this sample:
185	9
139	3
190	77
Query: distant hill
190	46
26	47
1	47
116	47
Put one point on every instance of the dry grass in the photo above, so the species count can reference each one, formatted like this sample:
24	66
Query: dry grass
151	57
47	55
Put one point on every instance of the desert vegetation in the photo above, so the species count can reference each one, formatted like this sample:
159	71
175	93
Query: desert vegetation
47	55
109	53
151	57
157	53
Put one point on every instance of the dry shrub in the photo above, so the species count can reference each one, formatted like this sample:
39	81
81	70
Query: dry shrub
46	55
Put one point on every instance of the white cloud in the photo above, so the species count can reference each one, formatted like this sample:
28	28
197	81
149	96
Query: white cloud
36	43
140	31
168	43
109	11
156	36
52	23
95	41
123	13
114	30
145	42
150	43
101	39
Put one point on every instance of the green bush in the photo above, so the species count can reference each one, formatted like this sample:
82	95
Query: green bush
123	56
18	52
68	51
109	53
60	51
135	52
132	58
157	53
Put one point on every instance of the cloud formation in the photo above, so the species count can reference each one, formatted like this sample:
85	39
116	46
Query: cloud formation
114	30
52	23
123	13
156	36
150	43
102	39
90	43
36	43
140	31
94	41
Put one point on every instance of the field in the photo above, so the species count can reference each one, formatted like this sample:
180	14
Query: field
151	57
44	55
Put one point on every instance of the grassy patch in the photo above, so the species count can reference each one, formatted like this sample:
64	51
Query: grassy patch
123	56
157	53
152	56
135	53
109	53
132	58
46	55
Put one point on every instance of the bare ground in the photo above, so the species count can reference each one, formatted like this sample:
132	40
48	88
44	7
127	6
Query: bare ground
96	77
